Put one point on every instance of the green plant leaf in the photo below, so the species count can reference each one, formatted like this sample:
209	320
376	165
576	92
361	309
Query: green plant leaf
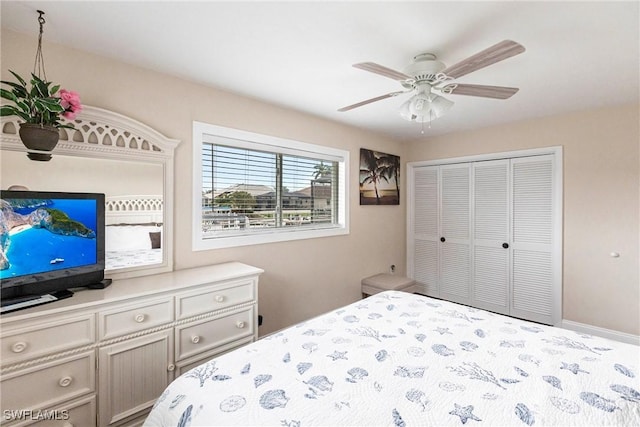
40	107
52	104
55	89
23	106
7	94
12	84
8	110
41	88
20	79
18	90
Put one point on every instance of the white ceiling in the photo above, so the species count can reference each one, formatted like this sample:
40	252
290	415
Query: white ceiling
580	55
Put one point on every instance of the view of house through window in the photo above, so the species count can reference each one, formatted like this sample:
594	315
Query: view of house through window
251	188
247	189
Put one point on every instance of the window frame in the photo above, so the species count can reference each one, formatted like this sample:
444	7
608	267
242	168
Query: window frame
204	133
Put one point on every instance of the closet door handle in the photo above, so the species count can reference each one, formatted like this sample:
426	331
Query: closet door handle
442	239
505	245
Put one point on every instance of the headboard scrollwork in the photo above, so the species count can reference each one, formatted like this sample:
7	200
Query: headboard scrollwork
99	133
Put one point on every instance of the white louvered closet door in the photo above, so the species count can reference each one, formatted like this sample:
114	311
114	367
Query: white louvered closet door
488	233
424	229
533	277
491	237
455	233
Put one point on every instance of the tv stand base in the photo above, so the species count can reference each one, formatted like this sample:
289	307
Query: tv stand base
100	285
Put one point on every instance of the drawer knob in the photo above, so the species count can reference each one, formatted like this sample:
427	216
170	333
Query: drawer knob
240	324
171	367
65	381
195	339
219	298
140	318
19	347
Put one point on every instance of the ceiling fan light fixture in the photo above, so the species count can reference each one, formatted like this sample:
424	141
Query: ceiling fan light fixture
440	105
405	112
425	107
426	118
420	104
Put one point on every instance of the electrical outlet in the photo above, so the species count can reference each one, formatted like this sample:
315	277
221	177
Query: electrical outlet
392	269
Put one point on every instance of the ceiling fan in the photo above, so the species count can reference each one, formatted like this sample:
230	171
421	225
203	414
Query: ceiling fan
426	75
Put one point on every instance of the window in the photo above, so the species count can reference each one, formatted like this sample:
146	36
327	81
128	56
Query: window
251	188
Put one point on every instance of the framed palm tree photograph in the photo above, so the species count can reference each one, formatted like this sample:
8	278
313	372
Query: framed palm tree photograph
379	178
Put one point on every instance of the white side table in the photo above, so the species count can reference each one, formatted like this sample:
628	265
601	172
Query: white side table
385	282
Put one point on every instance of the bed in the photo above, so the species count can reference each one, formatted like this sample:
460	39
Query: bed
133	233
400	359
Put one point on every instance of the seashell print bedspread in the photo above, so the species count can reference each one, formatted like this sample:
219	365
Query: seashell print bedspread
397	359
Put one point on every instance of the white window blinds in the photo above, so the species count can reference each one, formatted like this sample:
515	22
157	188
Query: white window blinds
253	188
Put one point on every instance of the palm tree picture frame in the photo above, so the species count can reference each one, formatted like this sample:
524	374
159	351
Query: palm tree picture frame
379	178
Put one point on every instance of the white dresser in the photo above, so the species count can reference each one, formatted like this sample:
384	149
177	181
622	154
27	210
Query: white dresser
102	357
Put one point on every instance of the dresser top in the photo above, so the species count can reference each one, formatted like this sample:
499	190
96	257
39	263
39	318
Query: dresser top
125	289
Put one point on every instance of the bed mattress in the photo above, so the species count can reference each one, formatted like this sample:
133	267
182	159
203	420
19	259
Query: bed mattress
400	359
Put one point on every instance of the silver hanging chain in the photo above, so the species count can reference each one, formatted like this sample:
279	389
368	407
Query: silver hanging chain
38	66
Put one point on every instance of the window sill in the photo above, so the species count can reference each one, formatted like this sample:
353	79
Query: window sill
202	243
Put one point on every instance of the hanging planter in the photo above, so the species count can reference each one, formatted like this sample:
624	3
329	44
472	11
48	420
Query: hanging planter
39	138
42	107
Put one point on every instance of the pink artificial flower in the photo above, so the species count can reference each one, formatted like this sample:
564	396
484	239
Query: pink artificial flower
70	101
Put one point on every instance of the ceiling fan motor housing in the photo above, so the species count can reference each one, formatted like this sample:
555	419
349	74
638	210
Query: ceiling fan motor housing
424	68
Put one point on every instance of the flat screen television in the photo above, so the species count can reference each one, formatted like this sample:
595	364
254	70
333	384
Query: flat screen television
50	241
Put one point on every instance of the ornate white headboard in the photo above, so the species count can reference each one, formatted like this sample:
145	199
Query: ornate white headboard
99	133
134	209
104	134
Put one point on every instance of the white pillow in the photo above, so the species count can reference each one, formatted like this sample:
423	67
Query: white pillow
128	237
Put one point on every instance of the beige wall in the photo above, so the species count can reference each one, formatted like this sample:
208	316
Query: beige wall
302	278
601	203
305	278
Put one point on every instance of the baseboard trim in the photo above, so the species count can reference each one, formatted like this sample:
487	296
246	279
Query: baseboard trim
601	332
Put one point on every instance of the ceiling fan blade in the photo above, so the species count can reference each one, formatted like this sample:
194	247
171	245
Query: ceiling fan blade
383	71
496	92
498	52
369	101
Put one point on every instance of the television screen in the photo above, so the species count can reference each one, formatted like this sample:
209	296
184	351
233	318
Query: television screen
50	241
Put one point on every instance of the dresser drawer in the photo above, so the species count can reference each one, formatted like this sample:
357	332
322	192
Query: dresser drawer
215	298
47	384
40	338
134	318
197	337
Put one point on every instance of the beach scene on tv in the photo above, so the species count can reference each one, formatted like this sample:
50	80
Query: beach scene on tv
41	235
